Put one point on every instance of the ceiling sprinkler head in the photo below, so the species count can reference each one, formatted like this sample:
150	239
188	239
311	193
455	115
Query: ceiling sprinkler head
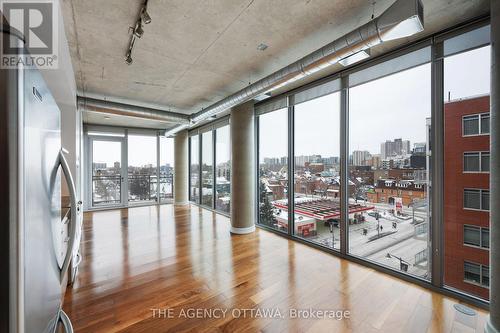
262	47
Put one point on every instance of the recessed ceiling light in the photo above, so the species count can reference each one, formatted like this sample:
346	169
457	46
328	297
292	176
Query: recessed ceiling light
107	117
262	47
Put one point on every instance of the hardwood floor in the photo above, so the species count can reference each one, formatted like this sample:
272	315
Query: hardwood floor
139	260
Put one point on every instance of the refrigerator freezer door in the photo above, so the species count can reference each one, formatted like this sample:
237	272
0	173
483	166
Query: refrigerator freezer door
42	210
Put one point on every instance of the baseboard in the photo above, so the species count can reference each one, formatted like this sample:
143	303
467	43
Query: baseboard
242	231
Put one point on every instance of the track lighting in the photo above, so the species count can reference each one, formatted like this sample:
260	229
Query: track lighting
145	16
138	31
128	58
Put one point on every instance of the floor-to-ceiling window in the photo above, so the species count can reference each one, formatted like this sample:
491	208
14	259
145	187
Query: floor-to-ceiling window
166	179
207	169
210	182
273	169
389	119
316	181
194	169
466	163
142	171
222	169
106	176
127	166
390	137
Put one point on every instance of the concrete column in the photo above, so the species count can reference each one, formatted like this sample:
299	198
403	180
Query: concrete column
181	168
493	324
242	169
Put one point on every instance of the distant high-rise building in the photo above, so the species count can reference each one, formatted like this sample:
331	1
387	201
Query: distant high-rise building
271	160
330	160
419	148
376	161
418	158
360	157
99	166
398	147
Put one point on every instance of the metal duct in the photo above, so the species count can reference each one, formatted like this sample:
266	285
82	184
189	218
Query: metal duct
402	19
96	105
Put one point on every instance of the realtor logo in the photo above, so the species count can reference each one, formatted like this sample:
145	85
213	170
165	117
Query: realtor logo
36	22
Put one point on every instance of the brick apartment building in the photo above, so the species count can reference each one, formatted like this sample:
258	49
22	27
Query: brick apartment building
466	195
386	190
397	174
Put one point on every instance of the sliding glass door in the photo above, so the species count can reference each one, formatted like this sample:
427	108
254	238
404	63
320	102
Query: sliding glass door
141	168
127	167
106	171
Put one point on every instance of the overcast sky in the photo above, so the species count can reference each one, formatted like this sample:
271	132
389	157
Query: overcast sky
391	107
141	151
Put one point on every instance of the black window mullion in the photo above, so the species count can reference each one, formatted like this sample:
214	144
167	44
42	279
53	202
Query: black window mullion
344	165
291	165
436	191
214	167
200	163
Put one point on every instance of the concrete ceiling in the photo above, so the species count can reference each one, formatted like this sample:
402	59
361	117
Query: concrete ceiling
196	52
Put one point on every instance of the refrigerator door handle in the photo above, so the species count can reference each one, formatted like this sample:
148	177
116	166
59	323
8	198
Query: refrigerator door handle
74	209
63	317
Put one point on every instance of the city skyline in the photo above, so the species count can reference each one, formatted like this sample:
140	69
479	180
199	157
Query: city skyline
273	131
389	114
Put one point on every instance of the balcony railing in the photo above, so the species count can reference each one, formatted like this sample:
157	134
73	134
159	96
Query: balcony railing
106	190
143	187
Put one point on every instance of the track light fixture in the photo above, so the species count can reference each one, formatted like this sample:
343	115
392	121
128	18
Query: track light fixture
144	14
137	30
128	55
128	58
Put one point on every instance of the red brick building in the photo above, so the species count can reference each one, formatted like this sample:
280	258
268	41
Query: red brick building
466	192
386	190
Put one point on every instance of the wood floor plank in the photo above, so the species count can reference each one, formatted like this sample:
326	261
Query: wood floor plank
182	259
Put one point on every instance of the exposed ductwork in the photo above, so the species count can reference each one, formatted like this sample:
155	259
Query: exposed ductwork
402	19
105	107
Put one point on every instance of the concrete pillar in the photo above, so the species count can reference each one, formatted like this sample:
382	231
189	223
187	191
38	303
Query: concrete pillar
242	169
493	324
181	168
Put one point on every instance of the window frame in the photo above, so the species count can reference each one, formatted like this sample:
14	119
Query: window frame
481	192
481	277
479	119
435	133
198	133
481	240
480	155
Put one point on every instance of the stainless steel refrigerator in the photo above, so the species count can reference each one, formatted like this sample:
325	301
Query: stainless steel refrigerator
36	247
